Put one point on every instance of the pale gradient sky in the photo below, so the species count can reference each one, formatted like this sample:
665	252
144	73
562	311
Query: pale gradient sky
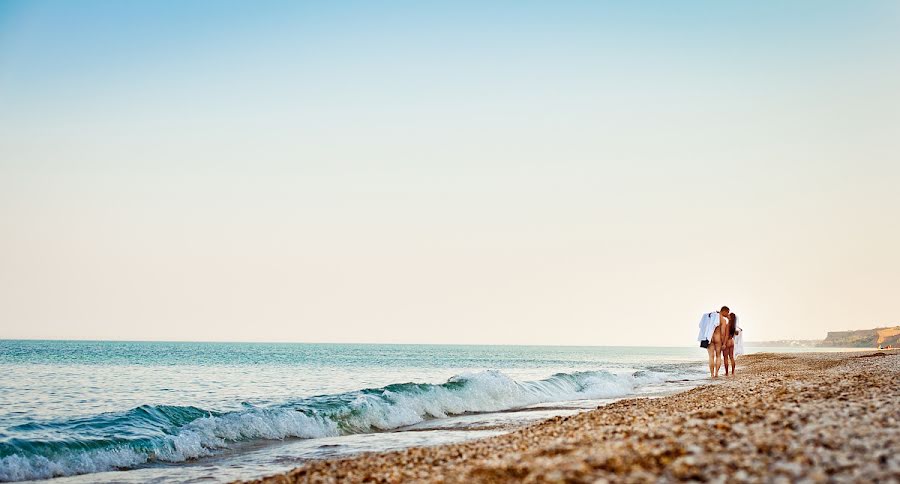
594	173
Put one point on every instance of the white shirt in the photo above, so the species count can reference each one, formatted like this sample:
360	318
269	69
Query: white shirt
708	324
739	342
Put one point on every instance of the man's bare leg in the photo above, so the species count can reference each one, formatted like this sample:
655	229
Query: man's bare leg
718	360
712	359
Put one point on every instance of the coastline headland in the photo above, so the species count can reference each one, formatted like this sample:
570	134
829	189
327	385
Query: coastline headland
888	336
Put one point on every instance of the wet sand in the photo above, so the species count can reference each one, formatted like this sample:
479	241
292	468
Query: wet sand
815	417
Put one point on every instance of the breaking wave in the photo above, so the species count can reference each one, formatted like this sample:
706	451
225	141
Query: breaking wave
173	434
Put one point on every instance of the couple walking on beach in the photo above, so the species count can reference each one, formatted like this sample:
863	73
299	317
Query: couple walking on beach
722	338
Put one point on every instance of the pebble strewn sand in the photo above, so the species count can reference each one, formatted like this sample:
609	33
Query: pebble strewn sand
783	418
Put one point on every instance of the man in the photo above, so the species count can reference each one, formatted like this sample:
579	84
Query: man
711	339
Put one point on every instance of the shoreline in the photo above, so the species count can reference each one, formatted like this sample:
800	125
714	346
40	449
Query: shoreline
816	416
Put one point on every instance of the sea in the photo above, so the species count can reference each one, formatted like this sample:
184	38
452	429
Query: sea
92	411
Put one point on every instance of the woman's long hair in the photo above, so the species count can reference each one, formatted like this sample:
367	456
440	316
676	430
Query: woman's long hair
732	325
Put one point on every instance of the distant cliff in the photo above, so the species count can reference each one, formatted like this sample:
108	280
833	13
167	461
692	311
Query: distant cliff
864	338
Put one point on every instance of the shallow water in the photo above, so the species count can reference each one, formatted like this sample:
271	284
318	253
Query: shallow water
139	411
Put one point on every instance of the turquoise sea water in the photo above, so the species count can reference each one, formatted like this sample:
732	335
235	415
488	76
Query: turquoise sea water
139	411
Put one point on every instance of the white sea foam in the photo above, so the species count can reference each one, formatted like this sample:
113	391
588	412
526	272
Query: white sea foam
370	411
18	468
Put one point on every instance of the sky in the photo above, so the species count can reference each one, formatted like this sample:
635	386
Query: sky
582	173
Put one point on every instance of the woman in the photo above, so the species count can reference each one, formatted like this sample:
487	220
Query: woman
729	331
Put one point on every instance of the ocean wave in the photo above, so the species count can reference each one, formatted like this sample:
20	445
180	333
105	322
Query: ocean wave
174	434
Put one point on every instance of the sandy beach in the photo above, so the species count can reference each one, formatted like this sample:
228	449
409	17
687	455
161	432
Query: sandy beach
811	417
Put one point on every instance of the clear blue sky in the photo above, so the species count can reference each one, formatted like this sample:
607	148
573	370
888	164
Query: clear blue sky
486	172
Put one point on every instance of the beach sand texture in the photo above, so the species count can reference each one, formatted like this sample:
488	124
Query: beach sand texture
782	418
